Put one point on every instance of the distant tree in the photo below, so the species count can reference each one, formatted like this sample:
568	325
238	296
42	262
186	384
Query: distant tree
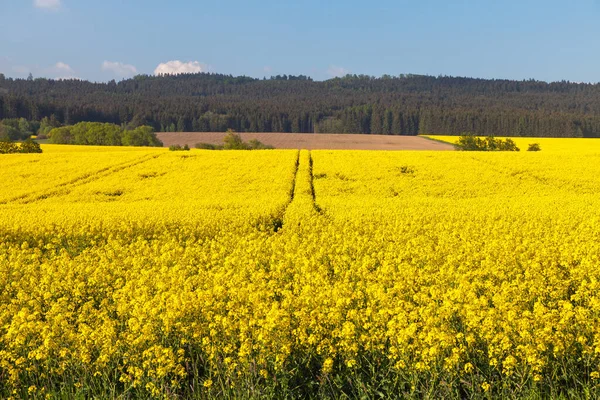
470	142
233	141
409	104
140	136
9	130
104	134
506	145
25	128
96	133
60	135
181	125
46	125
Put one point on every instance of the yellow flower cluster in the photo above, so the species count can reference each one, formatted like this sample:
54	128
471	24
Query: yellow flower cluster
146	269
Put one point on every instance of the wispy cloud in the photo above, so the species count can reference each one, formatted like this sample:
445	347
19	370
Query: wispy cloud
47	4
177	67
119	69
336	72
62	71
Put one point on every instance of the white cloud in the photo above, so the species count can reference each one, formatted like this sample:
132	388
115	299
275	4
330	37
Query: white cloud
336	72
119	69
47	4
177	67
62	71
267	69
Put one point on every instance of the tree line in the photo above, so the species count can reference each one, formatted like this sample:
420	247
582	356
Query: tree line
104	134
399	105
82	133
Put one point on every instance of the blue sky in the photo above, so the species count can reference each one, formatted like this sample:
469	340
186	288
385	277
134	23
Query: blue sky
112	39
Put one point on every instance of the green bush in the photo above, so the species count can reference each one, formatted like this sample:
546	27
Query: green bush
233	141
177	147
9	133
257	145
140	136
8	147
30	146
534	147
470	142
101	134
209	146
61	135
17	128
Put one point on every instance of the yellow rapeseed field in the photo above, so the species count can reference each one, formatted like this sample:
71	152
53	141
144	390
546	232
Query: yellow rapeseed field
300	274
548	145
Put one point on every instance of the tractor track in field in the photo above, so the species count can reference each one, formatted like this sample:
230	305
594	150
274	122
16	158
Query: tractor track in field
302	193
312	183
293	190
278	220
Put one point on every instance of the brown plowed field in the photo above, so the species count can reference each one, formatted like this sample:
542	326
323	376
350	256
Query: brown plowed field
310	141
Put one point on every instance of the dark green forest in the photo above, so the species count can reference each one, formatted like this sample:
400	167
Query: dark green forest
402	105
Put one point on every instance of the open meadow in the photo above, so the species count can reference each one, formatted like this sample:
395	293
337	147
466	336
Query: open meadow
141	272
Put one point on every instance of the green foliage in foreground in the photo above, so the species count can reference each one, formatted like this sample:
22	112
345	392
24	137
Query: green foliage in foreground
27	146
104	134
304	379
233	141
470	142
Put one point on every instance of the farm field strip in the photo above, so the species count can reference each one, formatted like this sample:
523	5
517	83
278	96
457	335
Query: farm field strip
548	145
311	141
200	187
203	272
54	171
495	178
67	187
302	206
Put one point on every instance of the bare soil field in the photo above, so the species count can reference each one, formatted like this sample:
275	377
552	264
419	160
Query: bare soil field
310	141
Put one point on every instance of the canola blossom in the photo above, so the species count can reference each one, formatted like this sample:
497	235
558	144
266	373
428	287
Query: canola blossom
322	273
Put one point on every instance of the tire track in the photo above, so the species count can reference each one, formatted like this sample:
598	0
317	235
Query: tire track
312	183
277	220
303	206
